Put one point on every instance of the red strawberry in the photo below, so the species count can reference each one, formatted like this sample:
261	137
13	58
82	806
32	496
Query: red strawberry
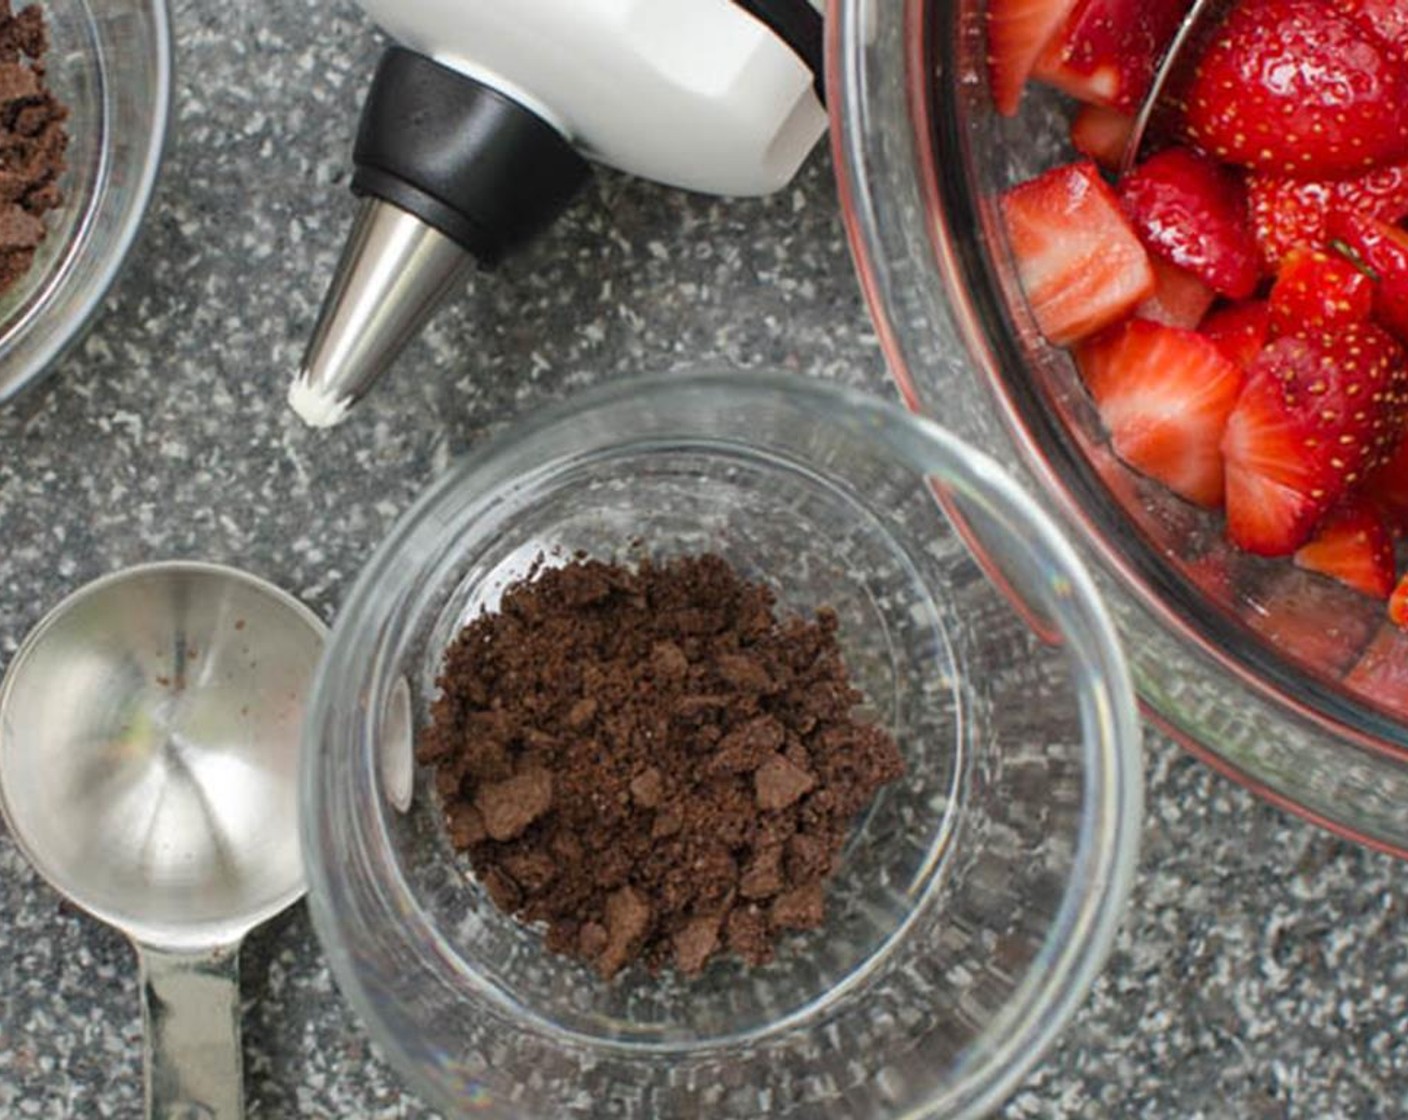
1398	604
1316	415
1353	545
1316	292
1018	31
1289	212
1383	250
1079	262
1388	19
1311	620
1240	330
1106	52
1381	673
1262	444
1382	192
1292	87
1164	394
1192	213
1180	299
1101	134
1387	485
1286	213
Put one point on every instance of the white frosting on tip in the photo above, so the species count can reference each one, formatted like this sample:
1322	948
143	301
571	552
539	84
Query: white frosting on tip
315	408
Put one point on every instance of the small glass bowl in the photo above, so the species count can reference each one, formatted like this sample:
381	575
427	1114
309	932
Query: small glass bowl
110	63
976	898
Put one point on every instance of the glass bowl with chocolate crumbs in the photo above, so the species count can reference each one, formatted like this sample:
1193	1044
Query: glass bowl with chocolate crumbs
84	95
726	745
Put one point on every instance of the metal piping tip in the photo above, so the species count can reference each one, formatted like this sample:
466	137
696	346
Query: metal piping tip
394	271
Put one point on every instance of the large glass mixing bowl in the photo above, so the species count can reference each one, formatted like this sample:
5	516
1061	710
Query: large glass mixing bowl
109	61
1286	682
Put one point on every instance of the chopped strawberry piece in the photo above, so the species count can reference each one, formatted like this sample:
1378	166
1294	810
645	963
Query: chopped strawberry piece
1316	621
1353	545
1193	213
1211	573
1101	134
1315	416
1398	604
1180	299
1316	292
1260	445
1164	395
1018	31
1080	263
1293	87
1382	192
1387	486
1381	673
1287	212
1383	250
1107	50
1241	330
1387	19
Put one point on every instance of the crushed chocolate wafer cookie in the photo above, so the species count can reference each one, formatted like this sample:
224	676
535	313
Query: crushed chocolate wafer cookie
650	763
33	140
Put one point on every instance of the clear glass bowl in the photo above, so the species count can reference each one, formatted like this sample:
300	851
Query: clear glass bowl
1286	682
109	61
977	897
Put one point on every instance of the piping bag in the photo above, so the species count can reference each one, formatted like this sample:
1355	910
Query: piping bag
483	121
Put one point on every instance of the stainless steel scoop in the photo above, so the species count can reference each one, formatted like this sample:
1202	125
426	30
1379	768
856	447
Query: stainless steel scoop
149	730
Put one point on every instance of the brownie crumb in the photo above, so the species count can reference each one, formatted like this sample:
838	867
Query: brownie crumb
650	763
33	140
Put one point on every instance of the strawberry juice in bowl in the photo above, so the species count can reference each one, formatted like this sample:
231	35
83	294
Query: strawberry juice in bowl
1197	364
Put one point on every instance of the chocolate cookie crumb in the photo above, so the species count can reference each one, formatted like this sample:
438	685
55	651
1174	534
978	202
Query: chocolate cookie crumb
32	140
650	763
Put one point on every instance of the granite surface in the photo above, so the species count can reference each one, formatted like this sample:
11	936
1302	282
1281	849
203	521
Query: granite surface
1263	968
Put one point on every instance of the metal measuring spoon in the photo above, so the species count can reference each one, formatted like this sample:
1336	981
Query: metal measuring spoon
149	730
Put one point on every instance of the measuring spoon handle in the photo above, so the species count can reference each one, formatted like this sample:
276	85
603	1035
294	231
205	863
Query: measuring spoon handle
194	1065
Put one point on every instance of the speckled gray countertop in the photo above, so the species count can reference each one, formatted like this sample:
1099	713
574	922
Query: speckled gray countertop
1263	968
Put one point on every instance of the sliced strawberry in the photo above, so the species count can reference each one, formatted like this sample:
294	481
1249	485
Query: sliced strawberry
1287	212
1353	545
1018	31
1316	292
1262	444
1387	485
1164	394
1383	250
1180	299
1101	134
1398	604
1211	573
1381	673
1106	52
1192	213
1241	330
1292	87
1080	263
1388	19
1382	192
1315	621
1315	416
